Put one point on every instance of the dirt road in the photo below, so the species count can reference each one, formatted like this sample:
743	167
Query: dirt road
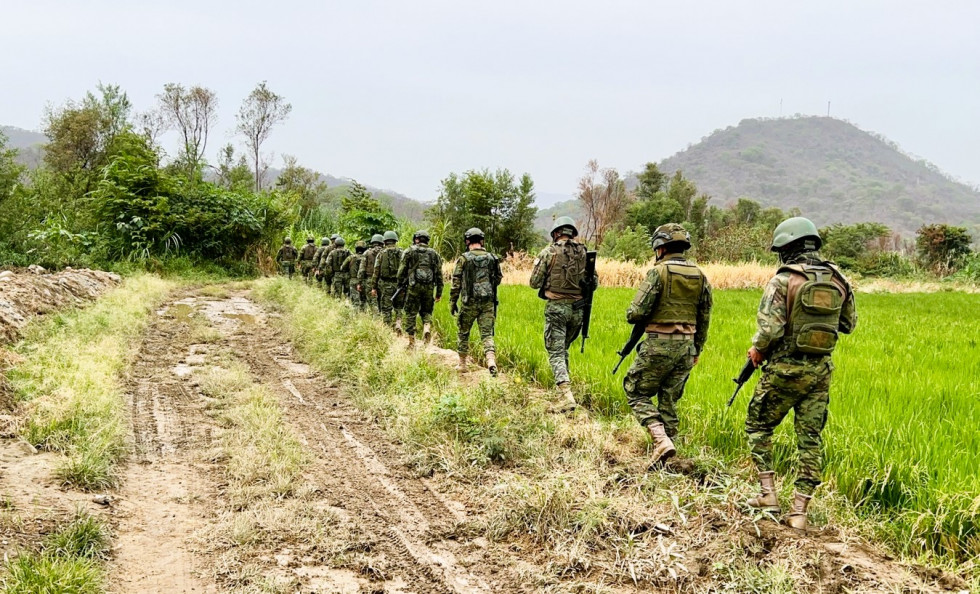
405	534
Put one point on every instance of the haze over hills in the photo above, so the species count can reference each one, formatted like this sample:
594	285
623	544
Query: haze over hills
829	169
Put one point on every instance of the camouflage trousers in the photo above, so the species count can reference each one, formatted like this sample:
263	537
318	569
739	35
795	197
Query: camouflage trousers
418	303
339	284
356	297
562	324
483	315
800	385
287	268
390	312
306	268
660	370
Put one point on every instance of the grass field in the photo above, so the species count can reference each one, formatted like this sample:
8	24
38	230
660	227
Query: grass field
903	430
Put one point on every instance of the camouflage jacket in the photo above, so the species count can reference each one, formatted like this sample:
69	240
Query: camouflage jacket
648	295
384	254
352	264
771	318
542	265
407	266
456	287
370	259
335	259
287	253
317	254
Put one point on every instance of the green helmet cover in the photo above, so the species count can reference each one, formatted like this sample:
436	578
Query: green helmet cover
472	233
287	240
420	234
360	246
376	238
325	241
390	236
564	222
339	242
793	229
310	240
671	233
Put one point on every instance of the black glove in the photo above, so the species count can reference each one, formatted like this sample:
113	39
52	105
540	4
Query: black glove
454	309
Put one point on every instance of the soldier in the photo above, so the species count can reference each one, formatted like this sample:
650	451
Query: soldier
384	283
351	266
365	274
559	276
336	276
803	310
306	258
421	272
286	258
475	279
317	257
324	271
674	303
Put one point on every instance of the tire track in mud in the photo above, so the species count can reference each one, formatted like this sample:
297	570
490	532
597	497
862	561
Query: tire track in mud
412	527
161	503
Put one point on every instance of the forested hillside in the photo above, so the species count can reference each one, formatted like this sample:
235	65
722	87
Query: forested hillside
829	169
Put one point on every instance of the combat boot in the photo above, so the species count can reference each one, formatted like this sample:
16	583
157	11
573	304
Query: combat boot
567	402
796	518
398	327
411	341
767	500
663	447
462	363
492	362
427	332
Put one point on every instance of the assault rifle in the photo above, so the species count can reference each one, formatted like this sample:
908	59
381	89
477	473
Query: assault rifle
747	370
635	336
589	287
398	291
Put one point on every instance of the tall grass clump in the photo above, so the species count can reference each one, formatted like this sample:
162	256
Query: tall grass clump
903	427
69	561
69	379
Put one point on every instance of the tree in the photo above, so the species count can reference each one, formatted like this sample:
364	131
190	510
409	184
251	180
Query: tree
850	245
261	111
941	247
10	170
362	215
604	200
305	183
191	112
233	174
495	202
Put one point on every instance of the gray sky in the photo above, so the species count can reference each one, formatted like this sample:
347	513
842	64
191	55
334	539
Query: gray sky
399	94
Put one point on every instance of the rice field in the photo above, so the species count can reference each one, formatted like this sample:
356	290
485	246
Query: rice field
904	426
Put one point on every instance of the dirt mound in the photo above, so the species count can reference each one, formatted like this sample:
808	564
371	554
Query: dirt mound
33	292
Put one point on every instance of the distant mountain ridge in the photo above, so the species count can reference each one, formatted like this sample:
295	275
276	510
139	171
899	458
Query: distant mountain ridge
829	169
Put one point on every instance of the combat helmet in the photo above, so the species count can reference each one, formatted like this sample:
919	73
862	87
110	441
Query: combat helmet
359	247
339	242
376	238
473	234
390	236
310	239
288	240
325	241
671	233
561	222
794	229
421	234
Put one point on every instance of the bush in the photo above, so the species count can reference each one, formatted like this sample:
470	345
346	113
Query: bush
942	248
629	244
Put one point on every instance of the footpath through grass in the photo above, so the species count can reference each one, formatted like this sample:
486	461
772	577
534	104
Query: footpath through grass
903	430
70	379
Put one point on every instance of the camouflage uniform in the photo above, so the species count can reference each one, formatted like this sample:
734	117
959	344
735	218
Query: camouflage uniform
337	278
419	300
483	311
792	380
351	266
306	259
564	308
665	359
286	258
321	265
365	276
385	282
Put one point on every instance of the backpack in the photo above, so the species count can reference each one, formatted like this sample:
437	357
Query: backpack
814	298
567	270
388	262
308	251
481	275
424	267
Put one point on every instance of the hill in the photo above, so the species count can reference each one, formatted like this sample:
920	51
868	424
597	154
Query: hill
829	169
27	143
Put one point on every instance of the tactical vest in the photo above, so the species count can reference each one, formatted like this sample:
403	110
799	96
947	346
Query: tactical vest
481	275
424	266
388	261
814	298
682	285
567	270
288	253
370	258
308	251
337	258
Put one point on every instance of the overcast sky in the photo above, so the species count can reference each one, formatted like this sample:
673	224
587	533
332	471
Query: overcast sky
399	94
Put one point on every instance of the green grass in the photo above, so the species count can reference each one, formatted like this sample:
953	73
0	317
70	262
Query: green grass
69	561
903	430
69	377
